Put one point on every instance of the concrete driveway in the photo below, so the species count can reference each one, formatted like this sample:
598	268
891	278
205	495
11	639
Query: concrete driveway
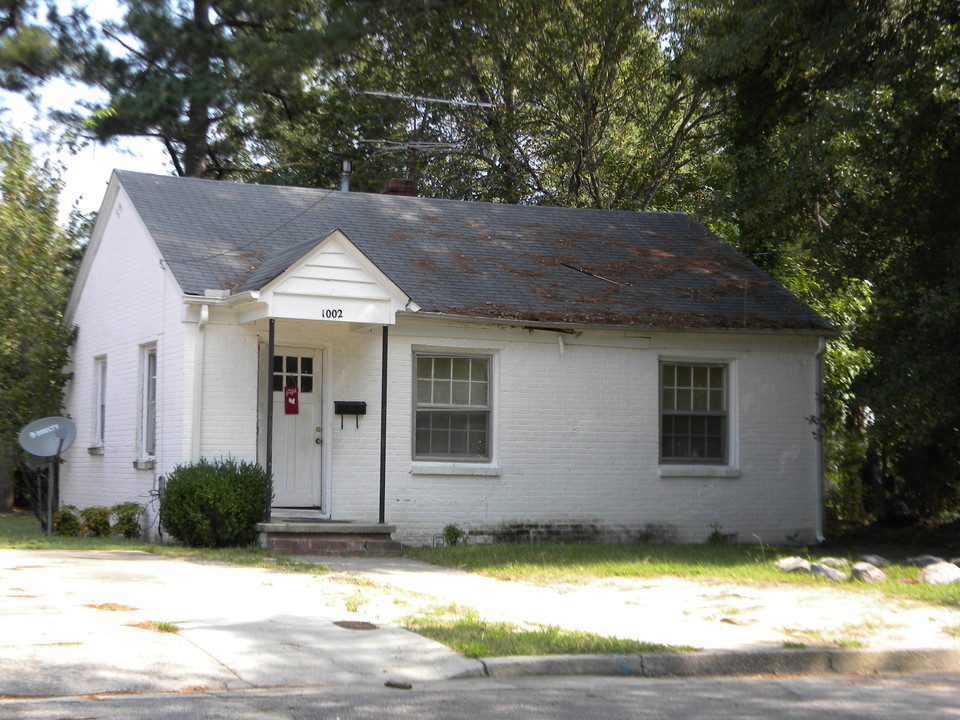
77	623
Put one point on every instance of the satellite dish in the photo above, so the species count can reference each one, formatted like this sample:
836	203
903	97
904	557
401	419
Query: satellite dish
48	436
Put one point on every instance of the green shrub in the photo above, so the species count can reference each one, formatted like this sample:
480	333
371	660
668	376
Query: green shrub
453	535
126	519
214	503
96	521
66	522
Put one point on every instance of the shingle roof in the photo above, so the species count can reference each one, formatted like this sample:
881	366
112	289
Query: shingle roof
530	263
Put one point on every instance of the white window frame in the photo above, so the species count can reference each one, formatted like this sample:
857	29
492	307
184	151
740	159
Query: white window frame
148	402
99	401
727	446
98	407
422	460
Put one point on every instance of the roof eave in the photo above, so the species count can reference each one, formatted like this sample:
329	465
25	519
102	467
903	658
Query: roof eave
579	327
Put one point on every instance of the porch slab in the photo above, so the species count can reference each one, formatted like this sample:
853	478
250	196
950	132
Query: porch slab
330	538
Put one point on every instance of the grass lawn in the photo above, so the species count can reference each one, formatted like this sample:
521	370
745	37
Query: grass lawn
465	631
22	530
576	562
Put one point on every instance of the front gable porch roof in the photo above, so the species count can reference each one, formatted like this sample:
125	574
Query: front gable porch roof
522	263
327	280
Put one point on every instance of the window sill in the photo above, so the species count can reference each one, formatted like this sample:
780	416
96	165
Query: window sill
699	471
455	468
145	464
95	450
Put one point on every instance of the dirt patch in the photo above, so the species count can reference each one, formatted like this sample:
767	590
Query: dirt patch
112	607
667	610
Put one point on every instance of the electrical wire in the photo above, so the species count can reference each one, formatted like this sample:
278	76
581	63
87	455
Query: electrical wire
248	243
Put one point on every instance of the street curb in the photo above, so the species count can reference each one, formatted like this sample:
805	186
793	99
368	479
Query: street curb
720	663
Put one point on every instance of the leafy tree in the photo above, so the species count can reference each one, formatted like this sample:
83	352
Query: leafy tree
842	139
519	101
28	53
35	256
525	101
188	72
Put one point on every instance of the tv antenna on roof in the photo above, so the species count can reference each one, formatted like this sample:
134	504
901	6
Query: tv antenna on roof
420	98
387	146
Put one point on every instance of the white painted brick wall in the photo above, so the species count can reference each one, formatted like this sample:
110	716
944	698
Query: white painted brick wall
130	300
577	439
576	434
231	361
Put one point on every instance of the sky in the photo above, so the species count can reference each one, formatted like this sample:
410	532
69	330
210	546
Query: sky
86	173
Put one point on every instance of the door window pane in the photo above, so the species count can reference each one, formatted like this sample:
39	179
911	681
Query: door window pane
292	371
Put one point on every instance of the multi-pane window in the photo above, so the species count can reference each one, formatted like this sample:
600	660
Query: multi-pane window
100	400
693	412
292	371
452	407
148	417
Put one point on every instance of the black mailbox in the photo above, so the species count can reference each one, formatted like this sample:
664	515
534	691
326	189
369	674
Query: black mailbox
349	407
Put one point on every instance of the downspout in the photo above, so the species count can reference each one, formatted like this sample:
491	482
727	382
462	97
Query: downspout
821	460
198	381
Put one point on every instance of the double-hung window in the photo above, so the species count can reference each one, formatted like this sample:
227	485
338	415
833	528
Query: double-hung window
100	401
452	407
694	422
148	406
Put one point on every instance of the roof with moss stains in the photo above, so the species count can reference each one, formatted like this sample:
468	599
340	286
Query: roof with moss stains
525	263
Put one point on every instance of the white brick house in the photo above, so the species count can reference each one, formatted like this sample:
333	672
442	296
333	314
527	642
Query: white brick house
548	372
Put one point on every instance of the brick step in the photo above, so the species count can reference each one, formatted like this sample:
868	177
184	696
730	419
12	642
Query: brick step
329	538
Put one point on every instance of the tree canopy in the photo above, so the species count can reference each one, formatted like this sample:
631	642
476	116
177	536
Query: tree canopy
28	52
35	262
842	137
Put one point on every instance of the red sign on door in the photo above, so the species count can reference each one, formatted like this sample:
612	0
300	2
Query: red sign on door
291	401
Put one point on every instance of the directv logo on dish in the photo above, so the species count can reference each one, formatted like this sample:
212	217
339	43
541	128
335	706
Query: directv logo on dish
44	431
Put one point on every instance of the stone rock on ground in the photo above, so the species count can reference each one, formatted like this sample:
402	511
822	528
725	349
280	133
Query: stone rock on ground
875	560
827	572
792	564
924	560
867	573
833	562
941	573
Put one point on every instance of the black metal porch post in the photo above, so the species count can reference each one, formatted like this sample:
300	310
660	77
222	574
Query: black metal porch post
268	460
383	425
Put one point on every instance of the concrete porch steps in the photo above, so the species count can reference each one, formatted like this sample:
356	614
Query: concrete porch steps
331	538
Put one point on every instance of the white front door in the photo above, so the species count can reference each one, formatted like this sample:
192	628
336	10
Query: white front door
297	432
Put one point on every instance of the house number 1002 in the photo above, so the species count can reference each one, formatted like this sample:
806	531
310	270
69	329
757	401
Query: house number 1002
331	314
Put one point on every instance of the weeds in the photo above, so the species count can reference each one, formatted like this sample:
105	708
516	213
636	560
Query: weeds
952	630
161	626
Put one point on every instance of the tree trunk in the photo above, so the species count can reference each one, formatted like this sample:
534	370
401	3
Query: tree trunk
7	478
195	141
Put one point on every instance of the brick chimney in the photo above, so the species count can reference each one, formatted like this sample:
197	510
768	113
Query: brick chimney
399	186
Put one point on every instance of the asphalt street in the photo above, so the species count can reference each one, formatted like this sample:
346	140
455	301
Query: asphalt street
911	697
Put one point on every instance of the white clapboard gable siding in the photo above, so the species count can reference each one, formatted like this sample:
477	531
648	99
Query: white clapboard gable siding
334	282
